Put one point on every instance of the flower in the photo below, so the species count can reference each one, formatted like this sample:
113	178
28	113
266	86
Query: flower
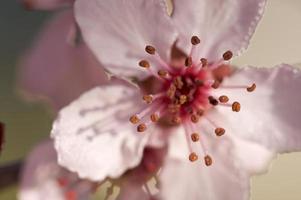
59	66
234	124
43	178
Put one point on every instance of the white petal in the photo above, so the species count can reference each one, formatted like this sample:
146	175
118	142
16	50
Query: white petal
117	32
93	135
269	116
221	24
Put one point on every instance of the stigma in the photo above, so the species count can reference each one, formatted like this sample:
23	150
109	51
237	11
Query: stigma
185	95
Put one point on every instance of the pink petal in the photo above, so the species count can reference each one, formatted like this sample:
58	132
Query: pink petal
56	70
221	24
46	4
93	135
182	179
270	115
118	31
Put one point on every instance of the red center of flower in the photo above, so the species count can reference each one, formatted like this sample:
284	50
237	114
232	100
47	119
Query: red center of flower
184	95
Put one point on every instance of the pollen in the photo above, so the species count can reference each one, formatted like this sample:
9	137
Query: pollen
144	64
223	99
215	84
228	55
154	117
204	62
150	49
134	119
148	98
188	61
208	160
194	118
235	106
219	131
195	40
193	157
162	73
195	137
141	127
251	88
212	101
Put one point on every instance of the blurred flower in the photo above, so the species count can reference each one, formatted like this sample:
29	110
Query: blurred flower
46	4
43	178
190	102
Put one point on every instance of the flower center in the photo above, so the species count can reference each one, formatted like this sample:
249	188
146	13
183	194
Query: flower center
184	95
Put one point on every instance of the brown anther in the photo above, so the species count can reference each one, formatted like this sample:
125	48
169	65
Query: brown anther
251	88
141	127
195	40
193	157
235	106
195	137
134	119
173	108
147	98
194	118
188	61
223	99
199	82
208	160
176	120
212	101
150	49
200	112
144	64
154	117
227	55
162	73
215	84
178	82
171	91
219	131
183	99
204	62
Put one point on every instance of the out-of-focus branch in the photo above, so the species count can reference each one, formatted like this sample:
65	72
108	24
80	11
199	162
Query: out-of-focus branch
9	174
1	135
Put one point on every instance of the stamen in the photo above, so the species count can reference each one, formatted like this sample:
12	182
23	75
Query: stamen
134	119
208	160
219	131
195	40
212	101
176	119
188	61
251	88
223	99
193	157
183	99
173	108
204	62
215	84
171	91
163	73
150	49
235	106
141	127
195	137
154	117
148	99
109	192
178	82
200	112
194	118
227	55
144	64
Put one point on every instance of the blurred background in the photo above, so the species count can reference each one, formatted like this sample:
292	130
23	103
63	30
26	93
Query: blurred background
277	40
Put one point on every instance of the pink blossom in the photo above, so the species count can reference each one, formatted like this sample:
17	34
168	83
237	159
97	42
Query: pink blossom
234	124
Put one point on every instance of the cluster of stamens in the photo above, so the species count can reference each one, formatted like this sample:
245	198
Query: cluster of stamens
185	97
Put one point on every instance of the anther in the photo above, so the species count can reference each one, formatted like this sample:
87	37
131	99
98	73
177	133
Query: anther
223	99
215	84
212	101
154	117
171	91
208	160
235	106
195	137
227	55
204	62
134	119
251	88
176	120
150	49
199	82
173	108
178	82
144	64
195	40
219	131
141	127
200	112
188	61
162	73
147	98
193	157
183	99
194	118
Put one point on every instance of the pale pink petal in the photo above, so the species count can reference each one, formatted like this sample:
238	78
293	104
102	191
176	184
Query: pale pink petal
54	69
182	179
118	31
46	4
221	24
93	135
269	116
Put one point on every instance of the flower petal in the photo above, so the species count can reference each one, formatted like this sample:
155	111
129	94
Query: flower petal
93	135
221	24
46	4
118	31
182	179
56	70
270	115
